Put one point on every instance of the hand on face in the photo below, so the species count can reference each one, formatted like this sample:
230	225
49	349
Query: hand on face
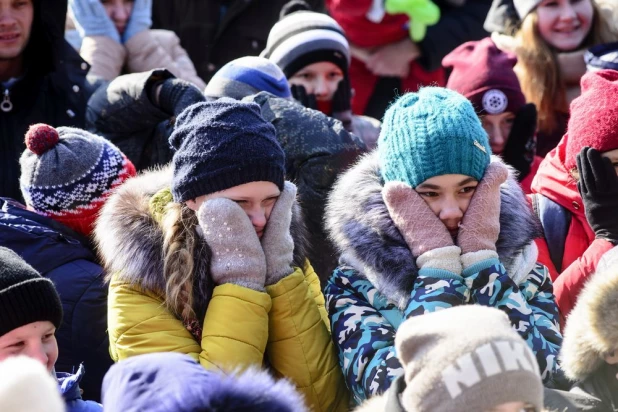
480	226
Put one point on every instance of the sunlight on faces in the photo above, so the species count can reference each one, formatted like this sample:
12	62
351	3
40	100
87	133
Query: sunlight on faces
15	27
448	196
257	199
119	11
564	24
35	340
498	127
320	79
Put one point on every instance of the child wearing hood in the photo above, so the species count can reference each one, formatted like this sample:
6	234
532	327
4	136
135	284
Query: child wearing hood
427	222
576	190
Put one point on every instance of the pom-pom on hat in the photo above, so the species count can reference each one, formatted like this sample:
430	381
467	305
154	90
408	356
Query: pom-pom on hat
68	173
305	37
484	75
594	116
25	295
247	76
222	144
431	133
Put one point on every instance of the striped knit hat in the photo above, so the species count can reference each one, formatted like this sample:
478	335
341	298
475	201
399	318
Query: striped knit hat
305	37
68	173
247	76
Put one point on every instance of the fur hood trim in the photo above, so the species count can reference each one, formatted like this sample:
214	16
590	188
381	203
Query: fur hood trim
130	240
360	226
591	331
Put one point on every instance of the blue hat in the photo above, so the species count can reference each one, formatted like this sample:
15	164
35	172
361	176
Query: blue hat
222	144
431	133
602	57
247	76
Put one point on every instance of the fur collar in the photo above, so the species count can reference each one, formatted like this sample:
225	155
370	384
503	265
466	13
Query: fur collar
591	331
360	226
130	240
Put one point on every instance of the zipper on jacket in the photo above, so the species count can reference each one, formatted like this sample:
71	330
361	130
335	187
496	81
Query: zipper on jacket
6	105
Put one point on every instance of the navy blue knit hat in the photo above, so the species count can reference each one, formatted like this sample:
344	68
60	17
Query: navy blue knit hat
222	144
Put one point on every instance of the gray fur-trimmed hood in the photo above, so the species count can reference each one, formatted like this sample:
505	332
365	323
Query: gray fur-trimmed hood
130	240
591	330
360	226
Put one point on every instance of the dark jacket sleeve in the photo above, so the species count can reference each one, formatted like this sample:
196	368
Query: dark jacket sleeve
122	112
457	25
83	333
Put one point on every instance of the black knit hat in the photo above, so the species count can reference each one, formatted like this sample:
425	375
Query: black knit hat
25	296
222	144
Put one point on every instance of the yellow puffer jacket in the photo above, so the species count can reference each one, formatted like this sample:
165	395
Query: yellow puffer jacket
288	324
286	327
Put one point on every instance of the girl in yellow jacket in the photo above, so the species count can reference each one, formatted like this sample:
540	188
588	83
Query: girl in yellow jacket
114	36
206	258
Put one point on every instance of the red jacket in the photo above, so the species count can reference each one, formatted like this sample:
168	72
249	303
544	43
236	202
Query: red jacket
582	251
350	14
457	25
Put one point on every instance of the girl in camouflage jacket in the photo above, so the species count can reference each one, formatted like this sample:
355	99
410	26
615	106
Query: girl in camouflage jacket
426	222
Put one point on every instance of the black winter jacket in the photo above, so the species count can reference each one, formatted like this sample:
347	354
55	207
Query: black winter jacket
212	41
54	90
65	257
456	26
122	112
317	149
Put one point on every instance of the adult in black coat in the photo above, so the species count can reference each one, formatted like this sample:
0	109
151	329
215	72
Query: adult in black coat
215	32
136	112
66	258
42	80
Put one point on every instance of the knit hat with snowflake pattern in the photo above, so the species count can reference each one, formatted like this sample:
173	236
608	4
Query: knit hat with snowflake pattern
68	173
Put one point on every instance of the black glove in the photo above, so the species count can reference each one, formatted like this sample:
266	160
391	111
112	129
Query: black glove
598	186
342	104
176	95
300	95
517	151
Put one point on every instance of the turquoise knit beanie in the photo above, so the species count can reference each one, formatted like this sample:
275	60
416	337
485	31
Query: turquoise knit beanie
431	133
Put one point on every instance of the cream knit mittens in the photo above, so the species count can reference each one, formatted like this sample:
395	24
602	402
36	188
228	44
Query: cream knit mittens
237	255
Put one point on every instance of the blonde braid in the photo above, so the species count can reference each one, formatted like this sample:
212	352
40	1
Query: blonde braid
179	223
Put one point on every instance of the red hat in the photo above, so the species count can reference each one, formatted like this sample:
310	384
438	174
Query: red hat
594	116
484	74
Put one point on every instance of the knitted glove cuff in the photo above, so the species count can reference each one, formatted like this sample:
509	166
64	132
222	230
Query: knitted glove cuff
177	94
444	258
472	258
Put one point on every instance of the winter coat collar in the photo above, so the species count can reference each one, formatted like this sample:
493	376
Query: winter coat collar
129	236
592	327
555	182
360	226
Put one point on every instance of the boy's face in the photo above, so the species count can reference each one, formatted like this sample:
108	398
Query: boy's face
15	26
35	340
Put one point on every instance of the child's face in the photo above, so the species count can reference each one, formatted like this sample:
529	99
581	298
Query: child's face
448	196
564	24
35	340
257	199
320	79
498	128
119	11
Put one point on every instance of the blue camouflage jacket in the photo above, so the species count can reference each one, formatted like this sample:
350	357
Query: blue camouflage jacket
378	285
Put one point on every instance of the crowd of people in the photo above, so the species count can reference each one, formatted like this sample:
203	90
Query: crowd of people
340	205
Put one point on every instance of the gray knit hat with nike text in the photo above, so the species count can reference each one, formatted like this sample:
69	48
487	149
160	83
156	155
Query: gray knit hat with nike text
466	358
